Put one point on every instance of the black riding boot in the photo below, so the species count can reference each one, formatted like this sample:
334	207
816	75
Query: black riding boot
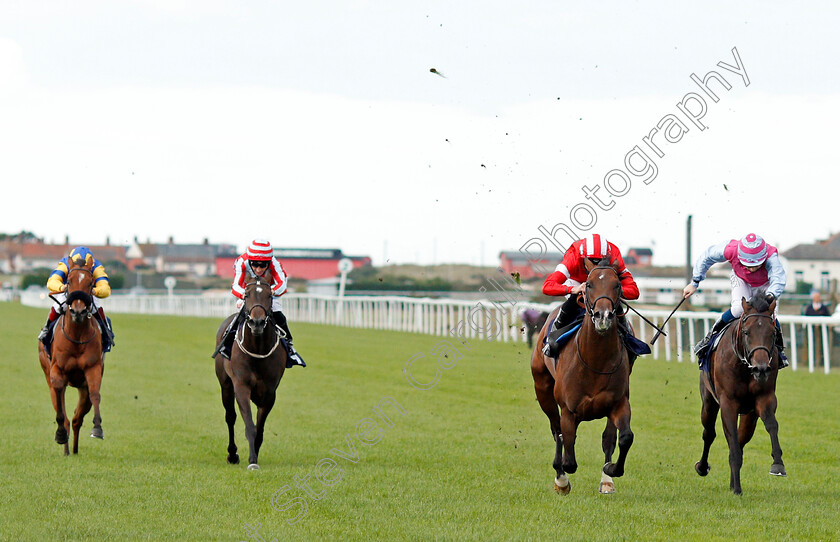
293	358
625	331
225	345
780	346
703	344
568	312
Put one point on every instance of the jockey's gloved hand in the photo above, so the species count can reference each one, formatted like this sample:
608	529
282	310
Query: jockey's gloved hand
770	298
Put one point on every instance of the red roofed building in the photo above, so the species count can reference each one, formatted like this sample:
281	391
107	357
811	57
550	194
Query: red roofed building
300	263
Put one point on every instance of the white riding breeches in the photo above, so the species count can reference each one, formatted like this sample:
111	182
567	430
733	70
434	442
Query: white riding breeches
740	289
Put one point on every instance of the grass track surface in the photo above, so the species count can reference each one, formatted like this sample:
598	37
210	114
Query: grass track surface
469	460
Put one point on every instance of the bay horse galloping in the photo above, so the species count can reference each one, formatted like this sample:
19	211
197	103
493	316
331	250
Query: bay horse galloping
589	380
742	382
253	372
75	356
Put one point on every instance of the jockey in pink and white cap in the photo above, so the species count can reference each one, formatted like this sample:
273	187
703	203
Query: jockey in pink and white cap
756	269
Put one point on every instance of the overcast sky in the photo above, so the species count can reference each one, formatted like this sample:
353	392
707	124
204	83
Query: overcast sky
320	124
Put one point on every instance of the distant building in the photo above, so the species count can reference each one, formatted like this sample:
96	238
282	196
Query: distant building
198	260
817	263
640	257
26	257
300	263
516	262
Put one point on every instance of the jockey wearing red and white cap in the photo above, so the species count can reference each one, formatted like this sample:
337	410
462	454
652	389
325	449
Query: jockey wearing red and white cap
569	277
756	269
259	261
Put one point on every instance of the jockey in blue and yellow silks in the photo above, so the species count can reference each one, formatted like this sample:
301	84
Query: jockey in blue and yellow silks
57	283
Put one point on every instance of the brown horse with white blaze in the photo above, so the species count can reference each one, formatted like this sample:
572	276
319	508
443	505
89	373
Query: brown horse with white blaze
76	357
741	382
253	372
590	380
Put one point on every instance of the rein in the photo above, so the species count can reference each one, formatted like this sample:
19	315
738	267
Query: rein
745	359
240	335
60	323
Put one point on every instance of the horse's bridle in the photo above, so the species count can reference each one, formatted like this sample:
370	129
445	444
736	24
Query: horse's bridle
745	359
240	335
590	306
590	311
84	297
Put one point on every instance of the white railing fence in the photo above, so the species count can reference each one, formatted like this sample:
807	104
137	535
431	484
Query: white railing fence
809	340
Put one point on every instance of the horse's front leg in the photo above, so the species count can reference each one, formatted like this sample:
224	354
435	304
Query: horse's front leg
544	387
568	426
620	417
708	417
93	376
78	417
608	440
229	402
262	414
767	410
243	399
729	420
58	385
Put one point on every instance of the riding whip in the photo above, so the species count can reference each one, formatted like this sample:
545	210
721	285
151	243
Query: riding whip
666	321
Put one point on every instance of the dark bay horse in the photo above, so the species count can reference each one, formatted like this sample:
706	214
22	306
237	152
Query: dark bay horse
742	382
76	357
253	372
590	380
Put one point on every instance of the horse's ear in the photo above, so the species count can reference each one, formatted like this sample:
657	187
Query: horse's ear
744	303
588	265
772	308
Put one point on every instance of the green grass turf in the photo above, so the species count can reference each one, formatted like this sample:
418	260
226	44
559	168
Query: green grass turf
469	460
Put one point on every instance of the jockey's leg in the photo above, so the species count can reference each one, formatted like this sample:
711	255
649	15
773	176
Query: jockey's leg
46	329
568	312
225	345
625	331
294	358
105	324
721	322
780	345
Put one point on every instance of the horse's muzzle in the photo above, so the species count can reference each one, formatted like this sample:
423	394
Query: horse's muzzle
603	320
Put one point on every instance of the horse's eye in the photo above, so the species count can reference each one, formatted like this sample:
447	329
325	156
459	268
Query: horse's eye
588	284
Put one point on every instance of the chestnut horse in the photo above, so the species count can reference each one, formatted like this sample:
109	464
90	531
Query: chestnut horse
76	357
253	372
589	380
742	381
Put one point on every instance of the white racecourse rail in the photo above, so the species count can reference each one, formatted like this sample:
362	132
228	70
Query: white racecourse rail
805	336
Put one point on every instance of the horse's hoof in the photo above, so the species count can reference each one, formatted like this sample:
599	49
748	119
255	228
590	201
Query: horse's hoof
606	488
233	459
96	432
777	470
253	466
61	437
562	485
702	472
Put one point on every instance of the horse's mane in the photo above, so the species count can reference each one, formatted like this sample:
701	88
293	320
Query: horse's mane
759	303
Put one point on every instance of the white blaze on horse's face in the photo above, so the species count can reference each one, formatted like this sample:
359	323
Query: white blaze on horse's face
259	289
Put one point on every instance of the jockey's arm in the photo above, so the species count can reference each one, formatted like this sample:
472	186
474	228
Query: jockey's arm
712	255
101	284
55	282
776	276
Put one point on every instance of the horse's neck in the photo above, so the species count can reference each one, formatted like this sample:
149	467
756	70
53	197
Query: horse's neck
600	345
259	344
74	330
